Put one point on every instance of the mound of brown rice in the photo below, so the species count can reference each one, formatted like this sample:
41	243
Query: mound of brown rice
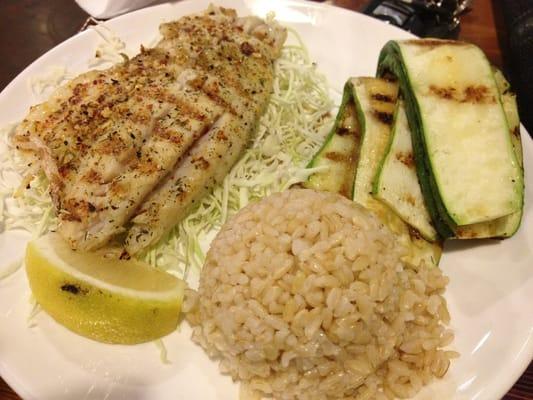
304	295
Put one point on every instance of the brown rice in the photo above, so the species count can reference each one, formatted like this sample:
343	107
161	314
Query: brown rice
304	296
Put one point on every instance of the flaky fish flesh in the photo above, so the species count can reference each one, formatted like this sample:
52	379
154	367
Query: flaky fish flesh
130	150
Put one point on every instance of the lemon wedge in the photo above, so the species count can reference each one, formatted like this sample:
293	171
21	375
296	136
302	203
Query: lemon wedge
108	300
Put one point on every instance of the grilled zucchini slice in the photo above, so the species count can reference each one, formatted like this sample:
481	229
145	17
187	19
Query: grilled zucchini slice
466	163
505	226
339	152
376	101
396	183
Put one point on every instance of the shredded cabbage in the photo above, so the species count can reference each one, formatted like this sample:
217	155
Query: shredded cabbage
43	84
110	50
289	133
163	355
24	197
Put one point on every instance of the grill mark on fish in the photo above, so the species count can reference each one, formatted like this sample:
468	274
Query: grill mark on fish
217	98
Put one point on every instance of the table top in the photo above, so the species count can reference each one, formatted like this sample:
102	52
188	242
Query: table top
34	27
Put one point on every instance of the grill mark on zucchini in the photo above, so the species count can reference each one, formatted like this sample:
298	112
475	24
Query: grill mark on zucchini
383	97
407	159
382	116
477	94
447	93
465	233
389	77
352	128
339	157
343	131
414	233
434	42
409	199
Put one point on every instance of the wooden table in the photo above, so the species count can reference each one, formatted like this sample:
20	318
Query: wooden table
29	28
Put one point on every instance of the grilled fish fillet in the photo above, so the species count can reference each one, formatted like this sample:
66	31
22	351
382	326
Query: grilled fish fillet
114	143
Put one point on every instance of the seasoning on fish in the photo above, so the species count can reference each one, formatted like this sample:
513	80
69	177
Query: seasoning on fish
113	143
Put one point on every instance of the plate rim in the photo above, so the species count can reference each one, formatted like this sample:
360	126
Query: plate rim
522	359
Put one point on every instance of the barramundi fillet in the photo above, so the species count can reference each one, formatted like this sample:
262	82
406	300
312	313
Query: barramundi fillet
113	143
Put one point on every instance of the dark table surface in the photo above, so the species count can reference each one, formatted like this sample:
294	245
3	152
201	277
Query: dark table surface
29	28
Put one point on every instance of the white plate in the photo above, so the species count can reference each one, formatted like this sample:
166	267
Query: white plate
490	295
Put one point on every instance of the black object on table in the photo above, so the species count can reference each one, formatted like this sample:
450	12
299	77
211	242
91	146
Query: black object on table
440	19
425	18
518	19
